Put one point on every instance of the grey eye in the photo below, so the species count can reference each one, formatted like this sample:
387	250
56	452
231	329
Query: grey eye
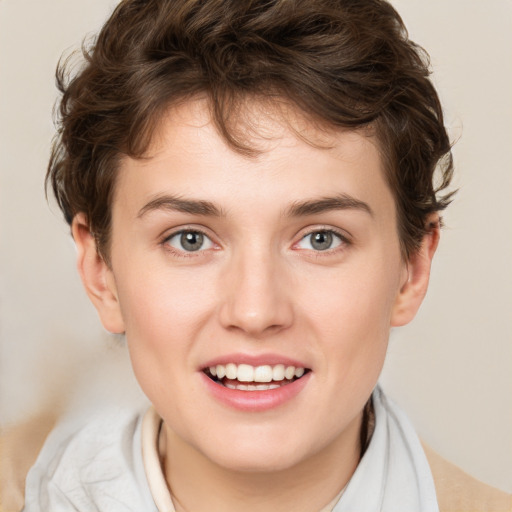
190	241
320	241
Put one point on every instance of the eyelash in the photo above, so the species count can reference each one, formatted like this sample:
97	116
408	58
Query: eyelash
183	253
342	238
344	241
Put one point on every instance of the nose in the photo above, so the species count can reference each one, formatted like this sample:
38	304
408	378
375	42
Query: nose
256	298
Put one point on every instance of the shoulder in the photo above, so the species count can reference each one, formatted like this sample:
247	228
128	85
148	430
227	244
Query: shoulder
459	492
92	465
19	446
80	459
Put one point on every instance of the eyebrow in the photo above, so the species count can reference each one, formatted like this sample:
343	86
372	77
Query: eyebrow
297	209
324	204
179	204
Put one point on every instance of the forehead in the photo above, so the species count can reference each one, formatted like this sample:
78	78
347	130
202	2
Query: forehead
292	158
252	126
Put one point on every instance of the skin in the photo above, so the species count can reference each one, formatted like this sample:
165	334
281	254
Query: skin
257	287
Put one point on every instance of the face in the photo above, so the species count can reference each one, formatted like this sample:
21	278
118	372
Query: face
257	294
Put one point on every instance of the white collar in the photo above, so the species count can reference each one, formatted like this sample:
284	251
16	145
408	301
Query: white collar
393	474
151	426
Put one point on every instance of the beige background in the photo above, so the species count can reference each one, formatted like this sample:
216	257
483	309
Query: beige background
451	369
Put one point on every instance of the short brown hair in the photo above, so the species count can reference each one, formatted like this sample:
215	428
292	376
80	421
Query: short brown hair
344	63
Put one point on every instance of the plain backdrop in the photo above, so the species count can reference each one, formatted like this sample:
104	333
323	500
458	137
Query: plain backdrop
451	369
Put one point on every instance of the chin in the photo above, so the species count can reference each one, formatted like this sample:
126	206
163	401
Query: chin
257	461
261	452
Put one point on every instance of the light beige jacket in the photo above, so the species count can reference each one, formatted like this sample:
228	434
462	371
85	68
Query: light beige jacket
456	490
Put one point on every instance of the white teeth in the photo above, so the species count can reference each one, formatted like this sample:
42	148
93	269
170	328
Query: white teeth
245	373
252	387
263	373
231	371
278	372
289	373
221	371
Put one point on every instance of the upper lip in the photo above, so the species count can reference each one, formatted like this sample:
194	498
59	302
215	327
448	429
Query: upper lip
254	360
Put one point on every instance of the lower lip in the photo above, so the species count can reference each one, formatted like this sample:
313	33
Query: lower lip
255	401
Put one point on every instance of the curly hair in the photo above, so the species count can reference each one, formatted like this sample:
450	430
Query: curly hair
342	63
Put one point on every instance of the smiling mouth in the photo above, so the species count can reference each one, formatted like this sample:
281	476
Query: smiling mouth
245	377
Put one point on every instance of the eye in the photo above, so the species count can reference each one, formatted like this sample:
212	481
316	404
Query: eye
321	240
189	241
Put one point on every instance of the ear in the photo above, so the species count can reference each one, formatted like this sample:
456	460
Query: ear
417	274
97	277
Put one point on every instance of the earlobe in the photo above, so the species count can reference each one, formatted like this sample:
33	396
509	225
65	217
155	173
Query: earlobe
414	288
97	277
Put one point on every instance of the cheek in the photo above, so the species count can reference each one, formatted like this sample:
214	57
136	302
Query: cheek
351	312
162	303
163	317
164	313
351	324
353	300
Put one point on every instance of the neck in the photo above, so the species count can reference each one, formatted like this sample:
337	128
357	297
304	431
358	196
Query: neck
198	483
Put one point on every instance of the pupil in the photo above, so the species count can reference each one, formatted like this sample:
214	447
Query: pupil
192	241
321	241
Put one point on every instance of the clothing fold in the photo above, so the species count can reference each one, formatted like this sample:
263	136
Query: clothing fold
111	464
394	473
